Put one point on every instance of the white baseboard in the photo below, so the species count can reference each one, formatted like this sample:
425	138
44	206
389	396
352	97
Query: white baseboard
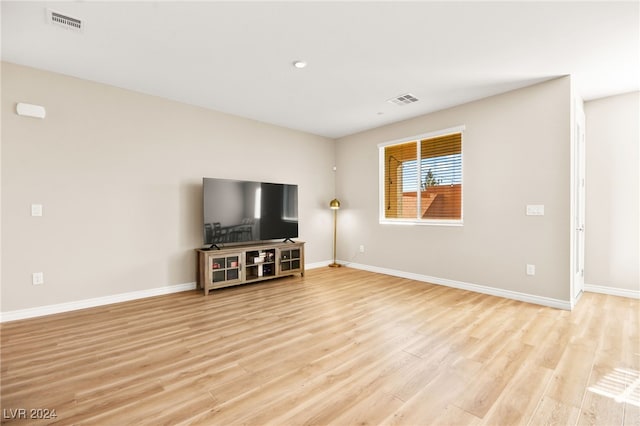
612	291
508	294
107	300
124	297
91	303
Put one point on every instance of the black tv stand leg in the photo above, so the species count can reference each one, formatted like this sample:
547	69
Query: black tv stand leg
288	239
214	246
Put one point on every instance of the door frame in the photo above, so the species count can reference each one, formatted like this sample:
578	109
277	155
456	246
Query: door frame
578	191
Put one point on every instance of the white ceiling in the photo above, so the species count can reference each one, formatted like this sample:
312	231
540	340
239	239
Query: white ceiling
236	57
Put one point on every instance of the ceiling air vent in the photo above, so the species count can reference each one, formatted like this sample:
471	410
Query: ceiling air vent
64	21
401	100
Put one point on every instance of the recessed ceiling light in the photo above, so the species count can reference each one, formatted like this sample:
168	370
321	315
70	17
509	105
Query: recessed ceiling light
299	64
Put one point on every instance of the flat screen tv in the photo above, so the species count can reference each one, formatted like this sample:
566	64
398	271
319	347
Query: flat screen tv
238	211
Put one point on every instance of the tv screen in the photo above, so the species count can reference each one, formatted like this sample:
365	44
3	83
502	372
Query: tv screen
237	211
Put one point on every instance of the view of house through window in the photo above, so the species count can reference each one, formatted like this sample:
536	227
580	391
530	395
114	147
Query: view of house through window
423	179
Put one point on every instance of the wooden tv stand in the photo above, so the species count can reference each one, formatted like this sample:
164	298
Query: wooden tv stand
246	264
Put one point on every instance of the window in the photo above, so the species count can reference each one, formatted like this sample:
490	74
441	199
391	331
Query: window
421	179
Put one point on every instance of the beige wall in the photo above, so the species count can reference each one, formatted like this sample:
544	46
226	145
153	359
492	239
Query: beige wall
516	150
119	175
613	216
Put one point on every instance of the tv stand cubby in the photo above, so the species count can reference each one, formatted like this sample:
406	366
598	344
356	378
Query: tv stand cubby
236	265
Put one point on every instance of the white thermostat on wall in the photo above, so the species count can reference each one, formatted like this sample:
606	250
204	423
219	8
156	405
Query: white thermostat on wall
30	110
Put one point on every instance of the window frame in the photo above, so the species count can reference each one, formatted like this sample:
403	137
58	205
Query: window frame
381	179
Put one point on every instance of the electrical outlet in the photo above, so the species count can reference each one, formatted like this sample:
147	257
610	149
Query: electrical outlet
37	278
531	269
361	248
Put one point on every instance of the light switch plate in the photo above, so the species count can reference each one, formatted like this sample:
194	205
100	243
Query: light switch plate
535	209
36	209
37	278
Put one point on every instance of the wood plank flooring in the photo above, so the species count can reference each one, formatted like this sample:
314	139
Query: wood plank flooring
339	346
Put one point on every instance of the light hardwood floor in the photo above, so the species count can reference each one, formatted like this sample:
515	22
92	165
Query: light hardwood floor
339	346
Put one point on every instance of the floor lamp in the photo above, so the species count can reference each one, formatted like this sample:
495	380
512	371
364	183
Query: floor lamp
335	206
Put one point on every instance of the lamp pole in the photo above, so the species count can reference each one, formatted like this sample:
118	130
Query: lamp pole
335	206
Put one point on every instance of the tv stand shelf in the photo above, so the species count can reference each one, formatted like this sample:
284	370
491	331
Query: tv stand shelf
246	264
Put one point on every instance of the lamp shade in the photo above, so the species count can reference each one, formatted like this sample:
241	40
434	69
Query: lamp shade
334	204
